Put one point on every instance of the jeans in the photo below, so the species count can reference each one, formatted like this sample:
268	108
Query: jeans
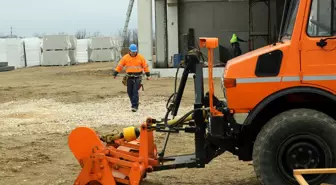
133	84
236	51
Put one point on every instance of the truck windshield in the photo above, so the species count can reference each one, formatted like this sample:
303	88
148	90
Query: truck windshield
291	9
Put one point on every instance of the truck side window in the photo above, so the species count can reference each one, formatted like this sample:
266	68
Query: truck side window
322	17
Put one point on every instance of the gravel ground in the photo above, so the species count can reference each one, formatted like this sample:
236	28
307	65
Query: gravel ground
49	116
39	106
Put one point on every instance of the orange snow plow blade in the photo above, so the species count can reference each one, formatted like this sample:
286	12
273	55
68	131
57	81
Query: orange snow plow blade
122	159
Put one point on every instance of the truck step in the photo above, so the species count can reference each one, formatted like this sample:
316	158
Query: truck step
3	64
7	68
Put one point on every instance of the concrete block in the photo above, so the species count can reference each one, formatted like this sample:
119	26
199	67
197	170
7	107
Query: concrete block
7	68
82	53
3	54
172	29
33	51
55	58
72	56
101	55
145	30
101	42
160	35
3	64
73	41
56	42
15	53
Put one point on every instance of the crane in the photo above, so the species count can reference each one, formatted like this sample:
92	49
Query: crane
128	16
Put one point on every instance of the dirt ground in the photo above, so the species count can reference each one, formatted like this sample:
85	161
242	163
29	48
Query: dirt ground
39	107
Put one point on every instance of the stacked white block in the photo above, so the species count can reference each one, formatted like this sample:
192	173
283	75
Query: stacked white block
101	43
73	41
89	49
3	53
15	53
101	49
72	51
101	55
59	50
72	56
56	42
117	46
82	53
56	58
33	51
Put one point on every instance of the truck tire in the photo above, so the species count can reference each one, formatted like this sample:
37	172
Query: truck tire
295	139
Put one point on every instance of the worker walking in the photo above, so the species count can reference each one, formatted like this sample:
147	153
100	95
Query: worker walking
236	51
135	64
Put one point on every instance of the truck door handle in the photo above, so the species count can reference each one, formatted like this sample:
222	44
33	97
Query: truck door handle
321	43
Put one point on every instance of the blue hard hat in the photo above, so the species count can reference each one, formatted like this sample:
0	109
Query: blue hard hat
133	48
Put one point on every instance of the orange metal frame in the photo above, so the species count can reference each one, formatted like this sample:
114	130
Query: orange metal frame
210	44
123	162
298	174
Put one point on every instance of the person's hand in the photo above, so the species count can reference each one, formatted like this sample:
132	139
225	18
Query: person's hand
148	78
114	77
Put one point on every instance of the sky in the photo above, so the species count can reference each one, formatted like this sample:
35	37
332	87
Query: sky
29	17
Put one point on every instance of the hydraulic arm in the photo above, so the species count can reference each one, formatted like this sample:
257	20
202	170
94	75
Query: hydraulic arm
126	158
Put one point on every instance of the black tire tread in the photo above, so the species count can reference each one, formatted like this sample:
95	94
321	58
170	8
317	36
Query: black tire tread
276	123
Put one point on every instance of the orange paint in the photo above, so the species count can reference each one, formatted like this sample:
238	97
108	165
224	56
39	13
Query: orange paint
301	59
124	162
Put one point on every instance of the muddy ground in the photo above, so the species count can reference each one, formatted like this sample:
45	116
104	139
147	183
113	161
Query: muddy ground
39	106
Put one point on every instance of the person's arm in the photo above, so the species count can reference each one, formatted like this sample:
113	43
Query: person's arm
240	40
145	67
119	67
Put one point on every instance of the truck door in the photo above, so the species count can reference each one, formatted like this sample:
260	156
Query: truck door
318	57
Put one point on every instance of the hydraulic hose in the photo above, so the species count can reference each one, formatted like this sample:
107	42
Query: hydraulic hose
186	117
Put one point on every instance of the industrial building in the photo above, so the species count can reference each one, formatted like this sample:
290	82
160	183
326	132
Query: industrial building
257	21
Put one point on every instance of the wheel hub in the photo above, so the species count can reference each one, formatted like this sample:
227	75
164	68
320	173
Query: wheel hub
303	155
303	152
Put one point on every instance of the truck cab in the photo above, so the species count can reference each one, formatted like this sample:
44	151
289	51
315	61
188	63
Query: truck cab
287	90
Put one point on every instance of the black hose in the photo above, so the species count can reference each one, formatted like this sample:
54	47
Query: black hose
172	97
202	55
175	87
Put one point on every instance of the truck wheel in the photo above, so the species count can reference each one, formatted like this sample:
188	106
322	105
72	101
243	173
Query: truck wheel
295	139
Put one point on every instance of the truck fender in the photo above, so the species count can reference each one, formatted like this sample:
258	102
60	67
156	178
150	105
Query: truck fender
303	89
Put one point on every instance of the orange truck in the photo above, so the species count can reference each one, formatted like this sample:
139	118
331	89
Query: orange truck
284	89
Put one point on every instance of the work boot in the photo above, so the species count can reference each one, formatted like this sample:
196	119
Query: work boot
134	109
